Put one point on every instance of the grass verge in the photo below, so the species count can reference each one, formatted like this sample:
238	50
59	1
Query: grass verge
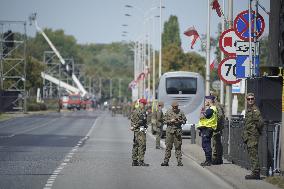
276	180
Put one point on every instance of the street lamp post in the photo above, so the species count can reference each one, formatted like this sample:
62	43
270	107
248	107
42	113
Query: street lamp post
160	53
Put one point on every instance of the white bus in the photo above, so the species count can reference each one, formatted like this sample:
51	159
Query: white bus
187	88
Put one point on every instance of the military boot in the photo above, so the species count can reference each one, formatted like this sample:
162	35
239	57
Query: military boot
179	163
217	162
253	176
206	163
135	163
165	163
142	163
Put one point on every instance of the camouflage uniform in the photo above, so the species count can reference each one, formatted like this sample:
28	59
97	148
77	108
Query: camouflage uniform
138	121
173	134
251	133
217	150
159	127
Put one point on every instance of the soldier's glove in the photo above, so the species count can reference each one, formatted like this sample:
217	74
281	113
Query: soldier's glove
131	128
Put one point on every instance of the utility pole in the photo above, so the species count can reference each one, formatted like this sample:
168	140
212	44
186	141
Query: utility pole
207	86
110	88
222	57
229	86
160	53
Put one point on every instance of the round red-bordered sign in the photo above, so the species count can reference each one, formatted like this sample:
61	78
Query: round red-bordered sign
227	70
241	25
227	45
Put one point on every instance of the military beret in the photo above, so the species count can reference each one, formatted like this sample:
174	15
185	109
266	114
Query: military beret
175	103
250	94
211	97
143	101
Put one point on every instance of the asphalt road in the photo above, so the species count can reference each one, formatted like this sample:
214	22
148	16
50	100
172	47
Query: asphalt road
76	150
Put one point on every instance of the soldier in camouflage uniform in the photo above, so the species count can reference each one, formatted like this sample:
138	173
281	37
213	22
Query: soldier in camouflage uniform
217	147
174	118
159	124
251	133
139	126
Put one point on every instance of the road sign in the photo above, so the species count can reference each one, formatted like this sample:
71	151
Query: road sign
227	42
241	25
242	48
239	88
243	66
227	70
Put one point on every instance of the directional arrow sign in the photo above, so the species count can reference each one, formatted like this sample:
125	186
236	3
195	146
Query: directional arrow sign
243	66
227	70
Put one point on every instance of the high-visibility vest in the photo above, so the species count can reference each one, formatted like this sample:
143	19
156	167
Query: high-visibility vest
211	122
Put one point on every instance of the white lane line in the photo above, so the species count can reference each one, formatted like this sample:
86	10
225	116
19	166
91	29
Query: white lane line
30	129
68	157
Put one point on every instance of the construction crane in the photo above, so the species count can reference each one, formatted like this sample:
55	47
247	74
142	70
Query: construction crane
80	87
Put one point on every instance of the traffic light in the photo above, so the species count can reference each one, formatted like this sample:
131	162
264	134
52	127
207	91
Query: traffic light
9	39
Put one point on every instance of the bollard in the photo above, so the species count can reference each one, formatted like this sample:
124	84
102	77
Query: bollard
193	134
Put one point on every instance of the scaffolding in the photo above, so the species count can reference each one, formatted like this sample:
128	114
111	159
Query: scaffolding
13	63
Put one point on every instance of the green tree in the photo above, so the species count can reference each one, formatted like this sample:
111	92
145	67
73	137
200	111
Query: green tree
173	58
194	62
171	33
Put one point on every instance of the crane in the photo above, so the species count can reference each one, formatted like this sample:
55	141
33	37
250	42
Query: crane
82	90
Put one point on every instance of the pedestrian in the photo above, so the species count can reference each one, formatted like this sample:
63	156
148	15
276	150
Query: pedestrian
173	118
217	147
252	131
159	124
139	127
207	124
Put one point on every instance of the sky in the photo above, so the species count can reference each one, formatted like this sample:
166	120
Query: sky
100	21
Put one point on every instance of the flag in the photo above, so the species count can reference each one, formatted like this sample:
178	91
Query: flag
132	84
191	32
213	65
216	6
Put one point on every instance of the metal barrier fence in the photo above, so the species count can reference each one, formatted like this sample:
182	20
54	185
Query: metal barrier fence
269	145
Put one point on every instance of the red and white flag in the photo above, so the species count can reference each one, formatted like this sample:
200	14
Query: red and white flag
216	6
191	32
214	64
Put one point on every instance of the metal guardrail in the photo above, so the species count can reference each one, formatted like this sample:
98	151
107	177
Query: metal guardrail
235	150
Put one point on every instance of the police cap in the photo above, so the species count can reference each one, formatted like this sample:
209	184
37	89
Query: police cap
210	97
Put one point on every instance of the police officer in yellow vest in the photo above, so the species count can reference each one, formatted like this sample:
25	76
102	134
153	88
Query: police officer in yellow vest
206	125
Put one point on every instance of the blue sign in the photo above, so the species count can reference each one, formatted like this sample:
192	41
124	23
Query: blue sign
243	66
241	25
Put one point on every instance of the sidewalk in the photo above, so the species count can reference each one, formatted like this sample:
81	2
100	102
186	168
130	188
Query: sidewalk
230	173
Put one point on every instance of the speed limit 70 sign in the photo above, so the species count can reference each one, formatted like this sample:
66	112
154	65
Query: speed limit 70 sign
227	70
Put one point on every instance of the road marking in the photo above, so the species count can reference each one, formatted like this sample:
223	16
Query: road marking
30	129
68	157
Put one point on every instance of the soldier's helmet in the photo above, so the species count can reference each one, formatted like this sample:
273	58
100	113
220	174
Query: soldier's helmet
143	101
175	104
